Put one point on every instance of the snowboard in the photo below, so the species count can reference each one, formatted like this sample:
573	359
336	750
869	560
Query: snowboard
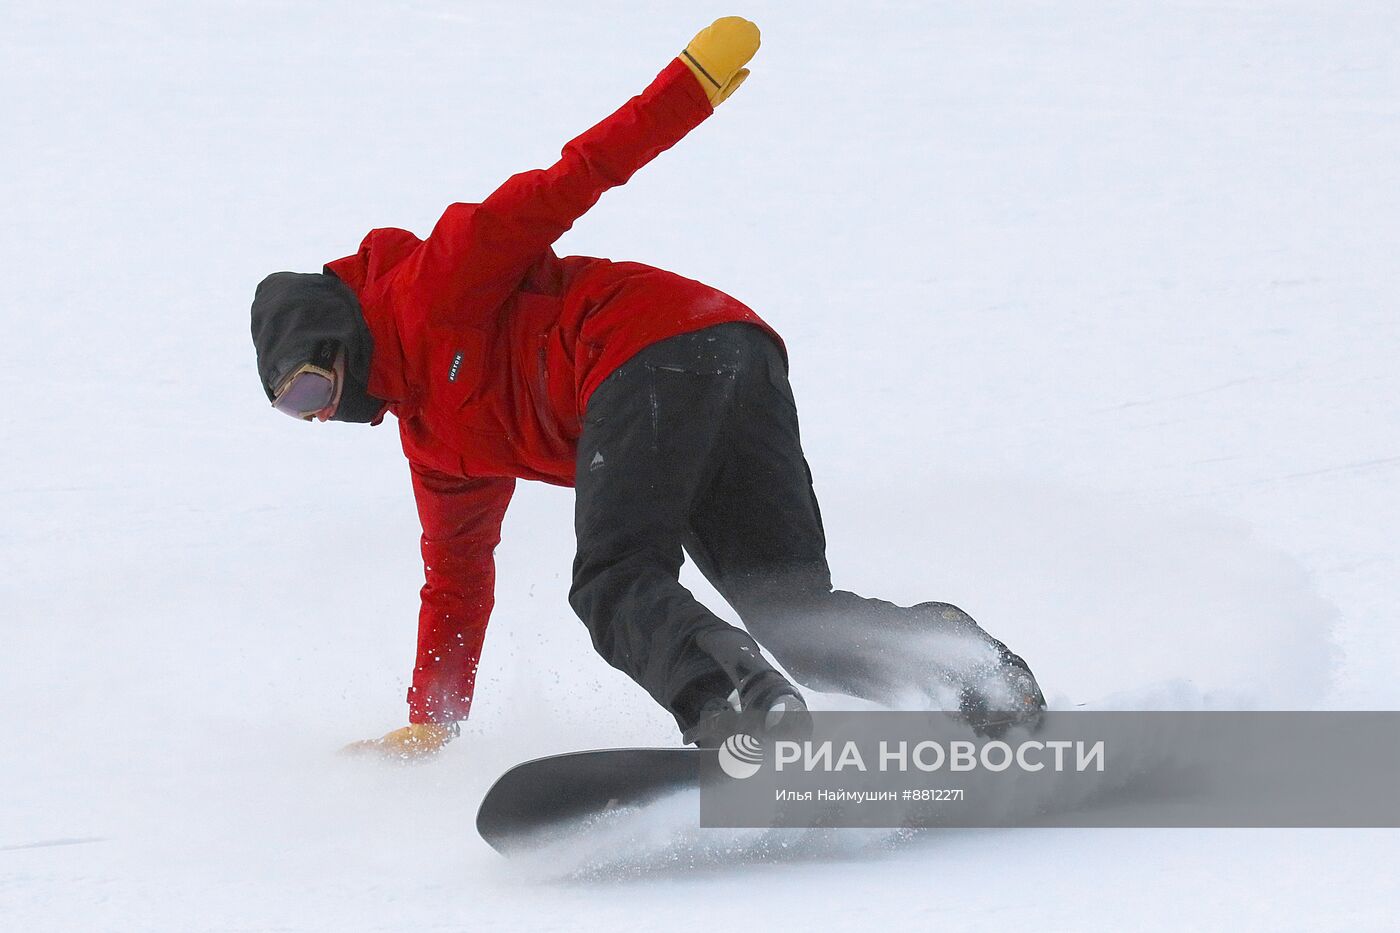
533	800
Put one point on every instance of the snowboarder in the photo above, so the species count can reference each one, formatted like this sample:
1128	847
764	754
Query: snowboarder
664	403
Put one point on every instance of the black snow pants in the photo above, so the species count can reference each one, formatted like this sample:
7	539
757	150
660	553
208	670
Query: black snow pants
693	444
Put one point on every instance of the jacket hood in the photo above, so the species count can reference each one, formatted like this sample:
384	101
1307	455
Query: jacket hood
369	273
297	318
379	255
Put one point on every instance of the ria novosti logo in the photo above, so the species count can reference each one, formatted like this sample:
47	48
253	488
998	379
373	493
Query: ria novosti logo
741	756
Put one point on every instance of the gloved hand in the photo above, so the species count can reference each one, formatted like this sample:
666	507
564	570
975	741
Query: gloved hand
415	741
718	53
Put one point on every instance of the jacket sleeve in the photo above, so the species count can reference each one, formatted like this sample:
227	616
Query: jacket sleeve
461	527
481	252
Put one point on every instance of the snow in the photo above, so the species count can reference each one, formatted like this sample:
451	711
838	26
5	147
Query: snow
1092	316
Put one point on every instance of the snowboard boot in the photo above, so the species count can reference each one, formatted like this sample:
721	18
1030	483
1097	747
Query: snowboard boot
1003	697
995	687
749	697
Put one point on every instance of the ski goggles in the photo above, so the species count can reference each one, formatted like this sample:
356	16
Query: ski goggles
306	391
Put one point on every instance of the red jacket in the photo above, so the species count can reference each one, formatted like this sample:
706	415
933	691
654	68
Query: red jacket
487	346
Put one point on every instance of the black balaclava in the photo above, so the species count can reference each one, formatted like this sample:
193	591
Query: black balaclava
296	315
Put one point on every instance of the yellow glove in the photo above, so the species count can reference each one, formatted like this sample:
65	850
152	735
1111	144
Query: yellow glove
718	53
415	741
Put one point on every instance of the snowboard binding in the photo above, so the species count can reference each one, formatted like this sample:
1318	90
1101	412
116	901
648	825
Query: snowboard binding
752	696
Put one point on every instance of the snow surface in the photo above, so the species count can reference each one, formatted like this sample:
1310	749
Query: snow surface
1092	310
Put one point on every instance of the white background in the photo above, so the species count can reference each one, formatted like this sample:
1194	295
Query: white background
1092	312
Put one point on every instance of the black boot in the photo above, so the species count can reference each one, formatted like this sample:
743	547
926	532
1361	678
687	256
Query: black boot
750	696
995	687
1002	697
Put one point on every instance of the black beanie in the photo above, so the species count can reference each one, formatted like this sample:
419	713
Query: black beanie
296	315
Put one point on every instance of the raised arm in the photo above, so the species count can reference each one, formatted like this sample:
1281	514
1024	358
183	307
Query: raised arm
483	250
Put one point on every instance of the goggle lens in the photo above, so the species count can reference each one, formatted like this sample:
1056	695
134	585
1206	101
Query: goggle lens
306	393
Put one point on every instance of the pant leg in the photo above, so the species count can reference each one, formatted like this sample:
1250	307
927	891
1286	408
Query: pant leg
648	445
755	531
